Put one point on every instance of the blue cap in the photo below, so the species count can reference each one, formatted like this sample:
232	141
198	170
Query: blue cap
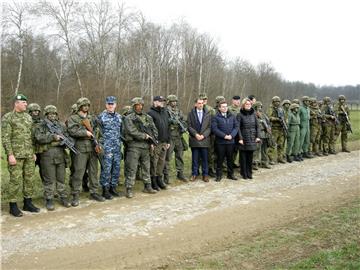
110	100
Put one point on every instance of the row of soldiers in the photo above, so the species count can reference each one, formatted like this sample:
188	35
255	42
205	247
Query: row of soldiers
148	141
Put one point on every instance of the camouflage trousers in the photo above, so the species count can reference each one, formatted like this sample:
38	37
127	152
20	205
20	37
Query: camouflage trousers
21	174
293	141
261	152
137	156
110	171
315	135
304	146
52	165
276	152
212	154
329	138
81	162
157	162
343	132
176	146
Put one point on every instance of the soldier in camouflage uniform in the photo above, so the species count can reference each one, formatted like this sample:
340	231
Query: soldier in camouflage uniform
17	139
34	110
286	107
53	161
138	146
315	127
275	112
296	101
304	113
109	123
261	153
342	110
293	138
234	109
81	128
329	125
178	127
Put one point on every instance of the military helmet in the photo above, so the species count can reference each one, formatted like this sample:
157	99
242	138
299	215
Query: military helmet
275	98
74	108
50	109
137	100
327	99
203	95
82	101
286	101
171	98
257	104
342	97
34	107
295	100
305	98
294	105
312	100
219	99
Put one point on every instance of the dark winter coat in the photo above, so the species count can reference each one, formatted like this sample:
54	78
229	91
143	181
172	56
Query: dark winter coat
161	121
195	127
248	129
221	126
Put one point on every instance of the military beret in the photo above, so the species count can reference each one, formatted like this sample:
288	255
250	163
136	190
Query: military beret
20	97
236	97
110	100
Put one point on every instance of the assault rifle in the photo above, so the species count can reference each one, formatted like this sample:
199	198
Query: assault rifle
280	115
347	123
98	150
147	130
332	113
176	120
65	140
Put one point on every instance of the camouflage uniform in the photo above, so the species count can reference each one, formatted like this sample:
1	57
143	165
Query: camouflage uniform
17	140
87	158
293	138
176	141
278	135
138	148
344	126
329	125
53	161
315	127
110	127
304	113
234	110
261	153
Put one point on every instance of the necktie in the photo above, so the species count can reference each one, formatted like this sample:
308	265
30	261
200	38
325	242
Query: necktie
200	116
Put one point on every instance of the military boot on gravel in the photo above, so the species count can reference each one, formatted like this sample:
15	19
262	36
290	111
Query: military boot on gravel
49	204
28	206
114	192
129	193
65	202
14	210
148	189
160	182
181	177
97	197
75	200
154	184
106	193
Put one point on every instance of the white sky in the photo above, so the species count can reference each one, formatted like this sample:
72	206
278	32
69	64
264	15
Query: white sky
314	41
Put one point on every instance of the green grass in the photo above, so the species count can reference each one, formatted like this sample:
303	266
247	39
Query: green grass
355	123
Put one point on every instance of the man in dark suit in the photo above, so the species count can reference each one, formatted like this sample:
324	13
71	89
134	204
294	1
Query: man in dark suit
199	126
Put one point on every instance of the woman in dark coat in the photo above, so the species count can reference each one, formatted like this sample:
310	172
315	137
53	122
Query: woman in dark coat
249	137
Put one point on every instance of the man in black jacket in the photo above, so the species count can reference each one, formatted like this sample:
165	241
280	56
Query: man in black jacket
158	153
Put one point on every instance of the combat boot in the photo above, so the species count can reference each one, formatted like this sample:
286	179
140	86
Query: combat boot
232	177
296	158
265	165
114	192
148	189
129	193
181	177
255	167
75	200
106	193
154	184
346	150
166	179
28	206
288	158
49	204
332	152
325	153
308	155
65	202
160	182
14	210
97	197
281	161
218	178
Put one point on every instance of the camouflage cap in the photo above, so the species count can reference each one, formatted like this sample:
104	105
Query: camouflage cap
219	99
82	101
295	100
50	109
137	100
294	105
305	98
342	97
275	98
110	100
20	97
257	104
203	95
34	107
172	98
286	101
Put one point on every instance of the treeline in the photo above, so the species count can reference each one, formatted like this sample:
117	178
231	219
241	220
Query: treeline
55	52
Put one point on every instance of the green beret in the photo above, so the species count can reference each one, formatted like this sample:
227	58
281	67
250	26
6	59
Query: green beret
20	97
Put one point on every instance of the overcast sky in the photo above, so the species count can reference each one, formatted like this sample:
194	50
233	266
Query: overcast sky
314	41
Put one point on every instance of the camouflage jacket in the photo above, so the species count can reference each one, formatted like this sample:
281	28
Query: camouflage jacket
45	138
339	110
175	116
328	112
274	116
110	126
17	134
234	110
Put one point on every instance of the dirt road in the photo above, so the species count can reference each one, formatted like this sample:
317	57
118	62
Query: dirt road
156	231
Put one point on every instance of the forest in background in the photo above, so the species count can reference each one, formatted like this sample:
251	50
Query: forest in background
56	52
